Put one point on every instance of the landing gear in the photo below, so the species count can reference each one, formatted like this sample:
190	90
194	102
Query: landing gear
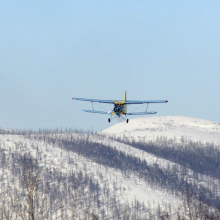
127	120
109	120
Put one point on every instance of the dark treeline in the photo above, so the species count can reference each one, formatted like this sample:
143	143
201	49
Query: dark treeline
45	131
201	158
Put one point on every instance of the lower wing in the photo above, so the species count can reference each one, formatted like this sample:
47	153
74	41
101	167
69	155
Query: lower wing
111	112
99	112
140	113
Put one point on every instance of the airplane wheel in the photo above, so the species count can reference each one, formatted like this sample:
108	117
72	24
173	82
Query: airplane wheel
127	120
109	120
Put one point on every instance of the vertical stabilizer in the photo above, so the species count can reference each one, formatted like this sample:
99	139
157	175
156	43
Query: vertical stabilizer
125	108
125	98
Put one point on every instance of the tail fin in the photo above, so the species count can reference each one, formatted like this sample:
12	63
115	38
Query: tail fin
125	108
125	98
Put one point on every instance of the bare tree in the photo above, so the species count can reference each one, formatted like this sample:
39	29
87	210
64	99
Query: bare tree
196	208
74	197
31	179
165	216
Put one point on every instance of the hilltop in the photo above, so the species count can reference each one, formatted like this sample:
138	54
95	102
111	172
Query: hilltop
171	127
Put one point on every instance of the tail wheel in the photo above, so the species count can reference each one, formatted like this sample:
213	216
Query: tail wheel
109	120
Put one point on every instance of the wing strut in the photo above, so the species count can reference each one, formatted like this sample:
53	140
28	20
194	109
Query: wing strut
147	106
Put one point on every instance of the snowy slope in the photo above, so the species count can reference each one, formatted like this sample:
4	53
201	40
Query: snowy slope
202	180
149	128
128	189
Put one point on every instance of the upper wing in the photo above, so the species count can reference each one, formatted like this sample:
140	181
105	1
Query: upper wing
100	112
95	100
142	102
126	102
140	113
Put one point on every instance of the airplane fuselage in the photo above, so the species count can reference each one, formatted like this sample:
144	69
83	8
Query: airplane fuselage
120	108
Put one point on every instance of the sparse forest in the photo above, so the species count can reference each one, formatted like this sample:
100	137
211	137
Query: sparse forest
201	158
35	186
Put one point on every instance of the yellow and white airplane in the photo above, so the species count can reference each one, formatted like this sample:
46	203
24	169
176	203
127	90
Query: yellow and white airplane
120	107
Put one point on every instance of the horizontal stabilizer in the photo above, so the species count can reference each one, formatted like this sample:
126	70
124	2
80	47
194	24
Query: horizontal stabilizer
140	113
99	112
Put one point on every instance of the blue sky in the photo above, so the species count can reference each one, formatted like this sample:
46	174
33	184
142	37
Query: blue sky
51	51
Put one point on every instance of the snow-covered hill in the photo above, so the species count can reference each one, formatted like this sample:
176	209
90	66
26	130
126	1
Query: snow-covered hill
127	189
115	176
172	127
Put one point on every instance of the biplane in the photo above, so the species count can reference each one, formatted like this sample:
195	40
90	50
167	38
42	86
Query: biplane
120	107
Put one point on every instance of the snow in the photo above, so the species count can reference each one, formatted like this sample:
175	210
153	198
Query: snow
145	129
151	159
172	127
128	189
